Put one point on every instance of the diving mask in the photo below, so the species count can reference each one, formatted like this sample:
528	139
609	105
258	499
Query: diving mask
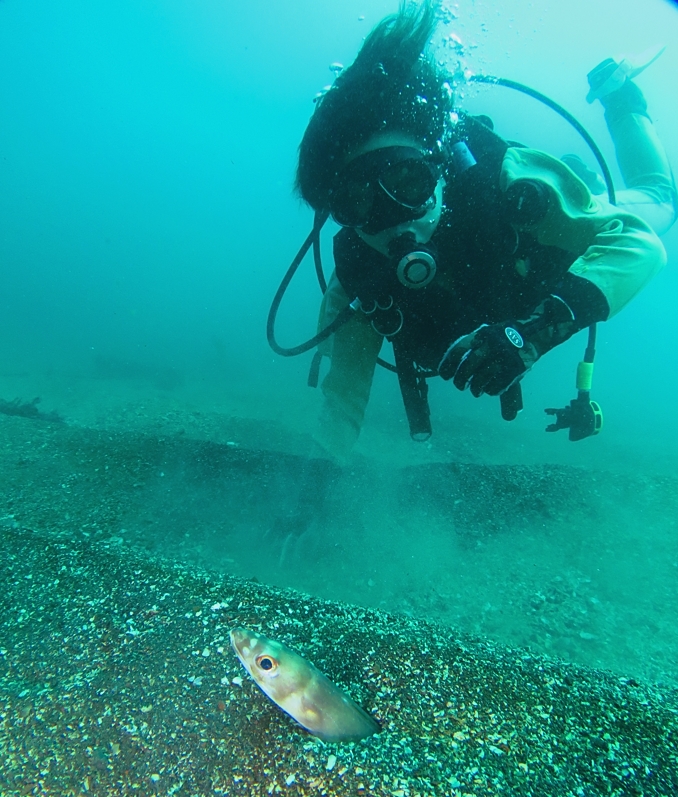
384	188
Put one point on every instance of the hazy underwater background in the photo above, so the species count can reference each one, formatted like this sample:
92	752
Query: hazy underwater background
147	153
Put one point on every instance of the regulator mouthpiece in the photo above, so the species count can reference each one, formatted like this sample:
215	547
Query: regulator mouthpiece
415	263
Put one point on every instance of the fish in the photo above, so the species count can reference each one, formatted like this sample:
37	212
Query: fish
301	690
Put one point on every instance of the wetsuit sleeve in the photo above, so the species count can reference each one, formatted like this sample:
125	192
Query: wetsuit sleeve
353	352
615	254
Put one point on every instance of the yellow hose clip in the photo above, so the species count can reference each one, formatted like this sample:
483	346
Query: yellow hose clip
584	376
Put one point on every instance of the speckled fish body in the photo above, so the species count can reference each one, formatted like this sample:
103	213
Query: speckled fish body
301	689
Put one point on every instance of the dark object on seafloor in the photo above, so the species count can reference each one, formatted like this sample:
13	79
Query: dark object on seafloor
29	409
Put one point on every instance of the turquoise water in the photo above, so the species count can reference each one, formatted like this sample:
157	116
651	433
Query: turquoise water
147	153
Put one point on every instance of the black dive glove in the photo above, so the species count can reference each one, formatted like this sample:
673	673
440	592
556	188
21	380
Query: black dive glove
495	356
490	359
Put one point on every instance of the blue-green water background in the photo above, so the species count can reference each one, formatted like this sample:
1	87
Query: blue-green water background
147	152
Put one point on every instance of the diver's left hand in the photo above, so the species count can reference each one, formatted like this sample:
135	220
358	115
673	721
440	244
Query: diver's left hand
489	360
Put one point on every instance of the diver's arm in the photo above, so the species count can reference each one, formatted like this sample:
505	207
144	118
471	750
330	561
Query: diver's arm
614	255
615	252
353	352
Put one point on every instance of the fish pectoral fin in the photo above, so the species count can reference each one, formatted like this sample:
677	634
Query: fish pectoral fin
310	714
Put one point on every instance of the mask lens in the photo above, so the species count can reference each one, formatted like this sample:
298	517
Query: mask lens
351	202
400	175
410	183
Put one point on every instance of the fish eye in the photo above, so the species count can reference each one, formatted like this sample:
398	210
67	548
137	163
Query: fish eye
266	663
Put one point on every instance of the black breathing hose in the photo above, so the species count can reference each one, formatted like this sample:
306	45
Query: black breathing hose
313	240
583	132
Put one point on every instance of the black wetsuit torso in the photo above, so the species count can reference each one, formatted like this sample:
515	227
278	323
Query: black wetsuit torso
486	271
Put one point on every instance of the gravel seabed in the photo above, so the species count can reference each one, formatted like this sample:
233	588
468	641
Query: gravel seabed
117	678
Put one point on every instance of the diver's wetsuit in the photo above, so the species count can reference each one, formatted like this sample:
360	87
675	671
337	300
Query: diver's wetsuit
488	273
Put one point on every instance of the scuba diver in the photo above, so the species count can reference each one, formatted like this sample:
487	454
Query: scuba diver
474	256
